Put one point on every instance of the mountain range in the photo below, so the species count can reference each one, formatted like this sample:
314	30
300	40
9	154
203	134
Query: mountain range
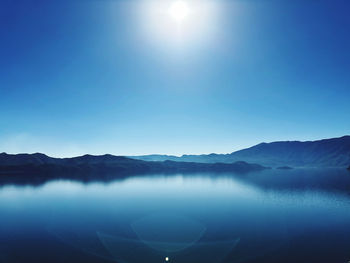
333	152
41	164
285	155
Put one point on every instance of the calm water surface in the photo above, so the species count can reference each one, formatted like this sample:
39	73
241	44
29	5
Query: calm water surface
270	216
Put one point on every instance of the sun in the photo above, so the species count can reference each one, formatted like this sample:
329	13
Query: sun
178	25
179	10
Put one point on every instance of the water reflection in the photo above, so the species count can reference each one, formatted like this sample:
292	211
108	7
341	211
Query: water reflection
271	216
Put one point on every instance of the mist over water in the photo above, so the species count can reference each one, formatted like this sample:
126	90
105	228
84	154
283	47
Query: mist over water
269	216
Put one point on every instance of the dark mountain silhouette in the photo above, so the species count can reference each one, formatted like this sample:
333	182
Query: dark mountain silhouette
98	167
322	153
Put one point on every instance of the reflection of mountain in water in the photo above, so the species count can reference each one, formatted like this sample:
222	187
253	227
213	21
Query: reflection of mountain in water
39	167
148	218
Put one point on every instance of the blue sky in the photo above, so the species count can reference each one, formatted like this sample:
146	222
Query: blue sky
97	77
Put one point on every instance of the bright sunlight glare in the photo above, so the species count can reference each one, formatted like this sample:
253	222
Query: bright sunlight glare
179	10
180	25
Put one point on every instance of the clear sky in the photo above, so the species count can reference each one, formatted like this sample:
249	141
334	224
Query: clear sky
121	77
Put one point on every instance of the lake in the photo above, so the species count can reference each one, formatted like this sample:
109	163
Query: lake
300	215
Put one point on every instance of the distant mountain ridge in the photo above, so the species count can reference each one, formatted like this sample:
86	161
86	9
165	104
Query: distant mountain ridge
37	165
333	152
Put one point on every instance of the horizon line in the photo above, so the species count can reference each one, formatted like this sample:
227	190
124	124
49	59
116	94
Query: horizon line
171	155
